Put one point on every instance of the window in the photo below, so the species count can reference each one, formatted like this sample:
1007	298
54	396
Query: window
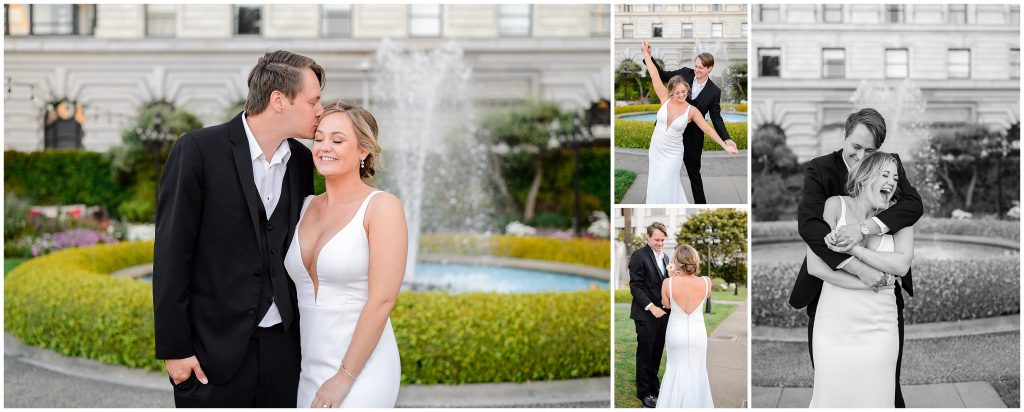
1014	63
768	13
61	127
687	30
894	13
248	20
1015	14
716	7
958	62
62	19
627	31
514	20
626	8
336	20
161	20
656	29
896	63
957	14
743	30
832	13
16	22
769	59
687	7
425	20
600	19
833	63
658	8
716	29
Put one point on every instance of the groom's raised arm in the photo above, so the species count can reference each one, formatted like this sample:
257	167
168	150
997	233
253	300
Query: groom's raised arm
665	76
177	225
908	209
810	217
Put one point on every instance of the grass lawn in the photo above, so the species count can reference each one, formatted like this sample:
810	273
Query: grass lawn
10	263
625	352
636	134
623	180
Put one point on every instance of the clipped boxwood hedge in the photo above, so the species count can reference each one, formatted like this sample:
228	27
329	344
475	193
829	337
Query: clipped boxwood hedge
943	291
62	177
636	134
726	107
1002	229
587	252
66	301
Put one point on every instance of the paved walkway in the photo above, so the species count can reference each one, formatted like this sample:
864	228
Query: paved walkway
931	330
35	377
727	360
725	177
942	395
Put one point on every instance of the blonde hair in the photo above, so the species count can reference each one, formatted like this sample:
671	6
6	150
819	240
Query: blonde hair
677	81
365	126
869	168
687	259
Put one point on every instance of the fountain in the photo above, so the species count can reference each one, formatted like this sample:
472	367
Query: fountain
902	107
720	50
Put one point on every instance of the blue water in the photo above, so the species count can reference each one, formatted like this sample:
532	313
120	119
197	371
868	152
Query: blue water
650	117
466	278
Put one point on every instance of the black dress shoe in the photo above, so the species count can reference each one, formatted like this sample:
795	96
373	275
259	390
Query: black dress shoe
650	401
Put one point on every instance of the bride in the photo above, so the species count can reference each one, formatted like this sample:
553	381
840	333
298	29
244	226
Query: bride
665	155
347	260
856	341
685	384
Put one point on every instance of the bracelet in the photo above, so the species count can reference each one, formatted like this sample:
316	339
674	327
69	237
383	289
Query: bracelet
347	372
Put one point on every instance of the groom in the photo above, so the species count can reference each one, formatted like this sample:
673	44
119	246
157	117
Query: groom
706	97
647	269
825	177
224	307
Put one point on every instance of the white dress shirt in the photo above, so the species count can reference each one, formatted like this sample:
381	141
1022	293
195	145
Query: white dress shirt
659	257
269	177
883	229
697	87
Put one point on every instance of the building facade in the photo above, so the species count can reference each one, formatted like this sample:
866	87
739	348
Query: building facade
813	64
109	60
677	31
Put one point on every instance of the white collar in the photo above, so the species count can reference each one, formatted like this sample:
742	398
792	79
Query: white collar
282	154
701	84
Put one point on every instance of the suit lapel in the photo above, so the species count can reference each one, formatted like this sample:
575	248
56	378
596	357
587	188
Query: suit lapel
243	165
654	261
841	171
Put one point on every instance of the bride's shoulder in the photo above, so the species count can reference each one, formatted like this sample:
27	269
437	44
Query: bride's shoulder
383	202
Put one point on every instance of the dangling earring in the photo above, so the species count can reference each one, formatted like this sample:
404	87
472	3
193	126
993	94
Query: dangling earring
362	163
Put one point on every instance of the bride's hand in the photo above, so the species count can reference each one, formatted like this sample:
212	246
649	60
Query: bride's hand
645	47
332	392
730	147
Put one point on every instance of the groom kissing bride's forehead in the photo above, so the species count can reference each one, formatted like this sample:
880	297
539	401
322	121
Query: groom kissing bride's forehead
865	132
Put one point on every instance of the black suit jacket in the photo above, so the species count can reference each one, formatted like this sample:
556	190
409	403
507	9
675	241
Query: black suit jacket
825	177
709	100
645	283
208	257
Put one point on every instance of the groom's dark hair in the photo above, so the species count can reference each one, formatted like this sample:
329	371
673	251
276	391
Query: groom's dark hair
872	120
278	70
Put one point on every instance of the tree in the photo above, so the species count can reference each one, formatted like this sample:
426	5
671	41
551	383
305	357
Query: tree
526	128
970	164
736	79
777	178
731	225
628	70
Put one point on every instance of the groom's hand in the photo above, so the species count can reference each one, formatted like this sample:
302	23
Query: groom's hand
657	312
180	369
847	236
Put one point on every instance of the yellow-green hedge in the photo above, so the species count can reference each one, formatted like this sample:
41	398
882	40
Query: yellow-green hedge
585	252
66	301
636	134
726	107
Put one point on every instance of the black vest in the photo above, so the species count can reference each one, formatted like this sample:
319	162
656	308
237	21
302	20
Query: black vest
273	244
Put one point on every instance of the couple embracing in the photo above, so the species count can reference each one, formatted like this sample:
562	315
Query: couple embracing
678	137
666	309
856	217
265	295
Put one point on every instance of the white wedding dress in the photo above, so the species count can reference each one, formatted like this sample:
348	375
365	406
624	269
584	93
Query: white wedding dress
686	384
328	319
855	344
665	159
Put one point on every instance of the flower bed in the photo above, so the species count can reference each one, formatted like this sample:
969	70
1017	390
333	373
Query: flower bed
66	301
636	134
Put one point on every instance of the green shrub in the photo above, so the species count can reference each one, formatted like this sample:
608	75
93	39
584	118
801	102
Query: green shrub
943	291
623	296
549	219
1001	229
62	177
577	251
623	180
726	108
486	337
66	301
637	134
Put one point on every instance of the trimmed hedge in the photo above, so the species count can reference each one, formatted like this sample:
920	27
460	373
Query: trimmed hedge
636	134
943	291
585	252
62	177
66	301
1002	229
726	107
